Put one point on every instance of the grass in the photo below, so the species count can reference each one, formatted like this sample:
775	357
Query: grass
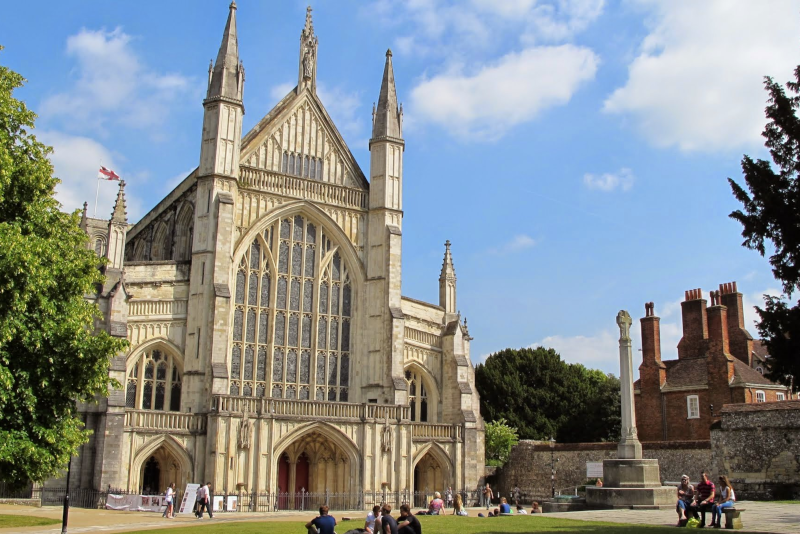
440	525
8	521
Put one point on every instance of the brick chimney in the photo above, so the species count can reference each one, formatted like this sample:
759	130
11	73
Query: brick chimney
741	342
652	376
720	361
694	343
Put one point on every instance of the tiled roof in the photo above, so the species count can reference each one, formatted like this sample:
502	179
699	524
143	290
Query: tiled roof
762	406
744	374
759	351
686	372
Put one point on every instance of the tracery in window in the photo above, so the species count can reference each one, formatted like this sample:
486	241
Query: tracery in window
292	277
154	382
417	396
100	246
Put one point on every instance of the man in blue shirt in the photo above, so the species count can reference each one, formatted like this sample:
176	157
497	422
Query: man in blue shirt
323	523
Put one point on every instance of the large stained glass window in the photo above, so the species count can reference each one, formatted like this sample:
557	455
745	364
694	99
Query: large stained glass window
291	320
154	382
417	396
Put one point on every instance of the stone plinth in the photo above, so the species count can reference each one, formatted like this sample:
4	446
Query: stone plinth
631	484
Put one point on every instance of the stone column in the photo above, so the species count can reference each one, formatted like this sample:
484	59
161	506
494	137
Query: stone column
629	446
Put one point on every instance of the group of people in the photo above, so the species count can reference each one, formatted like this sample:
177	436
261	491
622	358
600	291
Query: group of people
697	500
379	521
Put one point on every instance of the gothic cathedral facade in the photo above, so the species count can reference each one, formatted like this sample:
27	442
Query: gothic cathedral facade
270	346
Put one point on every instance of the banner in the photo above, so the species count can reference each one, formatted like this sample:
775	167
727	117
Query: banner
189	496
135	503
594	469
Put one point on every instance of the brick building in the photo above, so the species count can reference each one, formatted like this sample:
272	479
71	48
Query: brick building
674	398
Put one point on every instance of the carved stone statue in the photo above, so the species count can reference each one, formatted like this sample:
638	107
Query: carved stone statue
245	431
387	436
307	66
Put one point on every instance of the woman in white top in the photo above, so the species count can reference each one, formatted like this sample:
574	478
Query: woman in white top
169	498
727	500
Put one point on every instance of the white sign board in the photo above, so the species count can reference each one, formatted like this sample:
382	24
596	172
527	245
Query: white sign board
594	469
189	496
217	501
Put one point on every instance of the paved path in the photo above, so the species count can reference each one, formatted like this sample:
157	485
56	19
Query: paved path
759	517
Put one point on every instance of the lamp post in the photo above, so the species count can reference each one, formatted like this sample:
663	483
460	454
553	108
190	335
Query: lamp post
552	467
65	514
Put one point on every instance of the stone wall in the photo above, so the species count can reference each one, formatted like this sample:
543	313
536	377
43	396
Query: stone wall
758	447
529	464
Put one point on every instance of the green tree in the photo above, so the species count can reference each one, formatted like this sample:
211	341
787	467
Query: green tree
499	439
50	358
771	216
543	396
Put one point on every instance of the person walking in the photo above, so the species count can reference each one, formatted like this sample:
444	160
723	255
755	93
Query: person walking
487	496
205	501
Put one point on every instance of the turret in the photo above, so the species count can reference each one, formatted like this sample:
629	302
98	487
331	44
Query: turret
447	284
117	231
307	63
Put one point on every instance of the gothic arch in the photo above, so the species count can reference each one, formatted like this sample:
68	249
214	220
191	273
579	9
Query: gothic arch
171	347
307	209
138	250
338	437
428	460
171	445
184	228
160	245
431	387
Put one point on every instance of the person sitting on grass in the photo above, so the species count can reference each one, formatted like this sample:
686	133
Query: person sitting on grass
521	510
323	523
373	522
436	505
505	508
388	523
535	509
408	523
458	507
685	499
727	500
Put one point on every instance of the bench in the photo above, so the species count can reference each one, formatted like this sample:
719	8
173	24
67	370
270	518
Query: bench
733	518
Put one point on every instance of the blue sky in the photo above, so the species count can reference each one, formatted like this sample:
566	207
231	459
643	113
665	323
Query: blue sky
574	152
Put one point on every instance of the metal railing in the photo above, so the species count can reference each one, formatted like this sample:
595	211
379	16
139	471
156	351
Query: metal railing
78	497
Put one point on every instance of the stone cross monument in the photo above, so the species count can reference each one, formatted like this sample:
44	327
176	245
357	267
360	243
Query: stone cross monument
630	481
629	447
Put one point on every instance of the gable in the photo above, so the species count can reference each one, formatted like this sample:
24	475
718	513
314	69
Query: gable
299	138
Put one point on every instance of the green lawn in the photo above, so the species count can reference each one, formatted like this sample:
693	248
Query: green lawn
439	525
8	521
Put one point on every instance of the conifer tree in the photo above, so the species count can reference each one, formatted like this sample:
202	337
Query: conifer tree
770	221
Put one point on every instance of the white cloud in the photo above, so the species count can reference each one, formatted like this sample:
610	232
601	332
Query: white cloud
623	179
698	81
76	161
281	90
498	96
517	243
112	85
750	301
599	351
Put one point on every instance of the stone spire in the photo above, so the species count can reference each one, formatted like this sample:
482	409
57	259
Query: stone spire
226	79
447	282
387	118
84	223
307	67
120	214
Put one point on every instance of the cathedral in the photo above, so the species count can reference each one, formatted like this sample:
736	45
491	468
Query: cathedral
271	349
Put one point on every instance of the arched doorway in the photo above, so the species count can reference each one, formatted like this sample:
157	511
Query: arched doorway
151	477
158	464
314	467
430	475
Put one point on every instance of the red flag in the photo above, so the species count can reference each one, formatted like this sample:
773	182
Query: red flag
107	174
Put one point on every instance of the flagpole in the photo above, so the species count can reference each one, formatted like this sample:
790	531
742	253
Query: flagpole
96	194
